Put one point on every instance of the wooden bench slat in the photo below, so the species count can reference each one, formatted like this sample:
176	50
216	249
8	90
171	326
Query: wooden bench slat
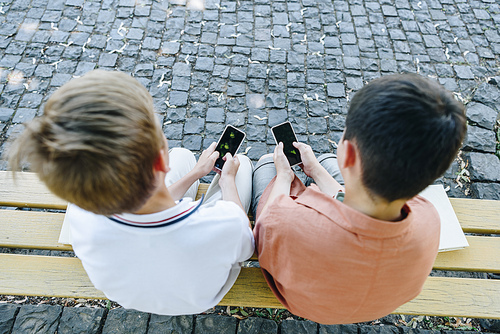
482	255
477	216
40	230
457	297
27	191
50	276
65	277
31	229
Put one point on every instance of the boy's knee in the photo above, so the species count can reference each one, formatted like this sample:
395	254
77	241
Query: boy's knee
181	153
266	156
325	156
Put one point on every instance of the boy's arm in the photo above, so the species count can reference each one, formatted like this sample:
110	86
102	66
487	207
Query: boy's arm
312	168
227	181
284	176
204	165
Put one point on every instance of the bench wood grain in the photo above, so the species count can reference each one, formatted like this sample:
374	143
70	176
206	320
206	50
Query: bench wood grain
53	276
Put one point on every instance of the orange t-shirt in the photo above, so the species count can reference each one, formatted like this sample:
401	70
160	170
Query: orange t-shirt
334	265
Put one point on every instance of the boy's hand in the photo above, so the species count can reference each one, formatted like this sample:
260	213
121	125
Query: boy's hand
309	162
230	167
283	169
206	161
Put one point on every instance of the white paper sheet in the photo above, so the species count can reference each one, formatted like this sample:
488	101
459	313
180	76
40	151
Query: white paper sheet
452	235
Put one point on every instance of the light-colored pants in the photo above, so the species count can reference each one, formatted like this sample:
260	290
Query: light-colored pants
265	171
182	161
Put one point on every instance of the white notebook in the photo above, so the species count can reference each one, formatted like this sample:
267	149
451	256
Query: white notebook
65	235
452	235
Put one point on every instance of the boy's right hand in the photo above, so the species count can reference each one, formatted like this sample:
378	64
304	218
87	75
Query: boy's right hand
206	161
309	162
230	167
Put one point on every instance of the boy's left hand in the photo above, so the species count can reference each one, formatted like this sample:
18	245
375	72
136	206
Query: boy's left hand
206	161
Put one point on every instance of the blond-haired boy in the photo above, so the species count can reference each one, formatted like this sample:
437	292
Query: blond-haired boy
100	146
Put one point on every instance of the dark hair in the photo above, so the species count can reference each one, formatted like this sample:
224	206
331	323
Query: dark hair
408	131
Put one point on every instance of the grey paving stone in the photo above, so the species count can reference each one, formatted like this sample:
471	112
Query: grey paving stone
204	64
491	325
257	326
170	324
480	139
487	94
338	329
80	320
194	125
124	321
24	115
336	90
37	319
487	191
178	98
8	314
170	48
298	326
257	149
484	167
463	72
365	329
275	100
277	116
6	114
216	115
192	142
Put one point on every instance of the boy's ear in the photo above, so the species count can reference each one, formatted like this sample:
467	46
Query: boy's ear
351	155
161	163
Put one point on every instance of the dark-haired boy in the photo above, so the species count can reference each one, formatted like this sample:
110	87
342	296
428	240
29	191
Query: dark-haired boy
338	252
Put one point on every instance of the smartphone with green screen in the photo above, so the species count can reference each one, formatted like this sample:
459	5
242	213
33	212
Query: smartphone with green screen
284	133
230	141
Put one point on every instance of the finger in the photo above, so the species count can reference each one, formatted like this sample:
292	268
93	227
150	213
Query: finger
228	156
214	155
236	160
211	148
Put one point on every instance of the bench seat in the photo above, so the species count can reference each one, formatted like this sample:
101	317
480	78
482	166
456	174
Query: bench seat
57	276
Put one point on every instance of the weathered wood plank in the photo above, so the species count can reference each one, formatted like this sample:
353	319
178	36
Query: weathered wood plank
40	230
27	191
477	215
64	277
32	275
31	229
482	255
457	297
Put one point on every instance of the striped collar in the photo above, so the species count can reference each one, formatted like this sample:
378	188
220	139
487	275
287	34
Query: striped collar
186	211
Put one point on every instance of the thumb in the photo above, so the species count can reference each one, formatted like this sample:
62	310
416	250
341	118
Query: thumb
214	155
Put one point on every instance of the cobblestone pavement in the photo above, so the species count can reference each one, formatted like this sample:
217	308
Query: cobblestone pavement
255	64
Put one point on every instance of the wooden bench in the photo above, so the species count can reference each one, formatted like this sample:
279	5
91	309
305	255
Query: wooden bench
55	276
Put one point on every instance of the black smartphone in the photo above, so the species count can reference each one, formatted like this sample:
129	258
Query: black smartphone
284	133
230	141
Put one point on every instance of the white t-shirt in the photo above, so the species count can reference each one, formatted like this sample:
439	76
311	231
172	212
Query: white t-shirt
179	261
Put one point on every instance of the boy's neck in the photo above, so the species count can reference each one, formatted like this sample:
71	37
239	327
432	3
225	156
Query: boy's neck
160	200
377	208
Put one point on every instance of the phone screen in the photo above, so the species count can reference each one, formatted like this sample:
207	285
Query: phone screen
230	141
284	133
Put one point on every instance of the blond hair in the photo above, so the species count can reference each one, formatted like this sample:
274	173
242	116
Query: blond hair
96	143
